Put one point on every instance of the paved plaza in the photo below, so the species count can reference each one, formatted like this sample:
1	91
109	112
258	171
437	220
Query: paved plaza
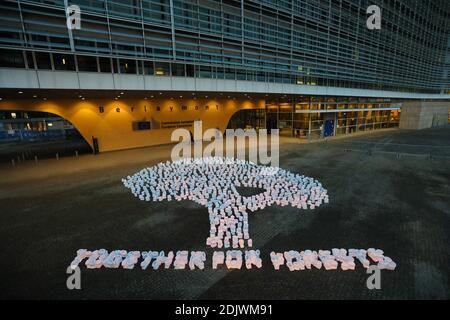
388	190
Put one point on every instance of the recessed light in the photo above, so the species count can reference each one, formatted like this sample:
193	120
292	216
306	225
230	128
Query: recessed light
145	98
34	96
160	93
121	93
151	96
115	98
45	99
20	92
83	98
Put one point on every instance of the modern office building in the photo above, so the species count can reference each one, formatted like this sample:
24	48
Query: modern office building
136	69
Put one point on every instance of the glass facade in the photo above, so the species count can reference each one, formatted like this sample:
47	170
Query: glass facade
303	42
308	117
446	74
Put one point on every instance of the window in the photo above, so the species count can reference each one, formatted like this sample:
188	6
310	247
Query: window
140	66
204	72
149	68
43	60
30	59
220	73
190	70
178	70
127	66
105	64
230	74
162	68
11	59
87	63
63	62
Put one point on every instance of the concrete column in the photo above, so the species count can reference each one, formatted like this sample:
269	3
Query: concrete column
417	115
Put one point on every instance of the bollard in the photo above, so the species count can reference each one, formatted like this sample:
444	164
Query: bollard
57	156
35	159
13	162
76	153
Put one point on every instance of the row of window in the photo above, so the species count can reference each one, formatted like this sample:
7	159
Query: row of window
83	63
